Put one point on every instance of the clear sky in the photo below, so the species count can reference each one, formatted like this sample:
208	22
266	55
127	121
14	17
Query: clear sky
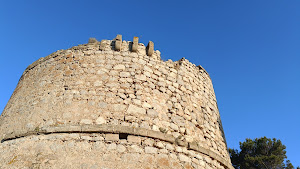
251	50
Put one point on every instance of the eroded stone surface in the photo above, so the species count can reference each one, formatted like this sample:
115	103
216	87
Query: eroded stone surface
95	84
67	150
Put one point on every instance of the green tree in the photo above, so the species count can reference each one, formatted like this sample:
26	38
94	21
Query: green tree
289	165
260	153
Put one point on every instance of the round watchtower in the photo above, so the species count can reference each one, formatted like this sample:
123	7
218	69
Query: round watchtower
112	104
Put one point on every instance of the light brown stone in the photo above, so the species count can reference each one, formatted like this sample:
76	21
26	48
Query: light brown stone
120	105
134	110
135	44
150	48
112	137
134	139
118	42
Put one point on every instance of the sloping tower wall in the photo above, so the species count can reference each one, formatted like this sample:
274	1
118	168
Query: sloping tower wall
112	104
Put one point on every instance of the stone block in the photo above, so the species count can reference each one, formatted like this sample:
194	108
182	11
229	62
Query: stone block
118	42
159	144
135	44
135	148
152	113
193	145
102	45
169	147
125	74
150	48
181	143
178	149
148	142
111	137
184	158
156	134
146	105
121	148
174	127
100	120
134	139
140	131
130	118
97	83
112	146
119	67
140	77
118	107
92	40
150	150
134	110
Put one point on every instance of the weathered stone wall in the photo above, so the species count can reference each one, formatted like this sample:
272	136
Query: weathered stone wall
107	84
95	151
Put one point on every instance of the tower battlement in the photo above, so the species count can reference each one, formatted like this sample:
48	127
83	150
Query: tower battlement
108	46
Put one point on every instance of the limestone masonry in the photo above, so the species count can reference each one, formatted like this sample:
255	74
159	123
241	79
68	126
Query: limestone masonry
112	104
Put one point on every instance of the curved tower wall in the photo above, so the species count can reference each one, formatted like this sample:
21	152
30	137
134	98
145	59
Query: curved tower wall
113	104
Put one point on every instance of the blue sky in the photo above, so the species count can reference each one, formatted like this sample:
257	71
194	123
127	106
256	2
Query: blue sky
250	49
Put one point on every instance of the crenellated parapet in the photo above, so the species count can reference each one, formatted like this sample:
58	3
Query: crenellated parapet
113	91
107	46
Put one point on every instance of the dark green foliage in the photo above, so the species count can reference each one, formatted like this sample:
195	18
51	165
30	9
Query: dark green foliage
261	153
289	165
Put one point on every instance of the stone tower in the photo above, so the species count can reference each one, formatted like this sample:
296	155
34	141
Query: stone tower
112	104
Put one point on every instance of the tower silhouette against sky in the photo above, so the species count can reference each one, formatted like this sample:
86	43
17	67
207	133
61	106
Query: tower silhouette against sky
112	104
